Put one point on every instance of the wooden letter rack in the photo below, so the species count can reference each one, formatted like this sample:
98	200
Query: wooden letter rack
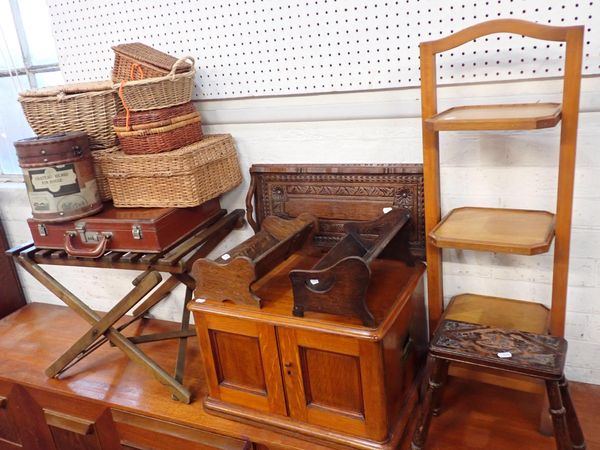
338	283
230	276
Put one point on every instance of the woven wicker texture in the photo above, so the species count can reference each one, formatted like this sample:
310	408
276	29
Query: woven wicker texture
163	92
74	108
182	131
182	178
141	120
99	157
153	63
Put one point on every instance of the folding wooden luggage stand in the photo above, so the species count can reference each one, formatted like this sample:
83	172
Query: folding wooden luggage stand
176	261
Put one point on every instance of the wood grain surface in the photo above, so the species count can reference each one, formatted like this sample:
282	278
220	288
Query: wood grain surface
518	231
477	416
507	419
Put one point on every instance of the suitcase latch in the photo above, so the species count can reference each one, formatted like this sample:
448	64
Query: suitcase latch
136	231
42	230
88	236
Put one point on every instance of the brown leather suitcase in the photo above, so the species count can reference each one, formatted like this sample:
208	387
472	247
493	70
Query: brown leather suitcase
150	230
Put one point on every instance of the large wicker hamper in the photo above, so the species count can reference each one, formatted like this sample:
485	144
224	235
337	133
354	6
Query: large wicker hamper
185	177
88	107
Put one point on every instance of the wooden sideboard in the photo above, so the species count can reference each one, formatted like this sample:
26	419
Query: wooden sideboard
12	294
106	401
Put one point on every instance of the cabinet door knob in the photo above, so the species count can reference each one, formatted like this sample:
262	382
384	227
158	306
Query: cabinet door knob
287	364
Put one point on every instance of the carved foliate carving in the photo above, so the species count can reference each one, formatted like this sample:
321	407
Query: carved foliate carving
278	201
529	352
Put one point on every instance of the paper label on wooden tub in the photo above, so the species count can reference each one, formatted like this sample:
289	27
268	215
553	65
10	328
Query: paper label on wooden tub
58	191
59	180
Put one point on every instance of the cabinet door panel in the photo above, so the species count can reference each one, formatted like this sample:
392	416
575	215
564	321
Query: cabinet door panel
65	439
238	361
341	393
29	421
333	381
9	438
12	295
38	420
242	362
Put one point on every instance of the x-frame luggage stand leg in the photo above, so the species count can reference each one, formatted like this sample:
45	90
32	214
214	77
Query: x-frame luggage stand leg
103	329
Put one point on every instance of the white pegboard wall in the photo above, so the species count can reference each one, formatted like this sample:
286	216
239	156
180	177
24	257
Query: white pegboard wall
266	47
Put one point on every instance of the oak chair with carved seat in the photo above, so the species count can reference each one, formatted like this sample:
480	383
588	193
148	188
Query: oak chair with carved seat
534	355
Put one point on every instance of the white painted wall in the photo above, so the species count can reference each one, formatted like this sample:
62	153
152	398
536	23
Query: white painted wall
513	169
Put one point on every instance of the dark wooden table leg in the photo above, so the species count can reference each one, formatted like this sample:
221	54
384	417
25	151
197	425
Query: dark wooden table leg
575	432
558	412
436	378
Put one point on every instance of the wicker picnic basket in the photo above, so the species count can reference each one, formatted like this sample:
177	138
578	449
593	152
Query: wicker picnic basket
159	130
136	61
99	157
162	92
88	107
185	177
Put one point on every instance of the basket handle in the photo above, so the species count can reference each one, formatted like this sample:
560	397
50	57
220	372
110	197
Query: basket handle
179	62
93	252
136	68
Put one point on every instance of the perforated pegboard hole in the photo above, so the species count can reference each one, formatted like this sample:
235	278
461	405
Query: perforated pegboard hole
267	47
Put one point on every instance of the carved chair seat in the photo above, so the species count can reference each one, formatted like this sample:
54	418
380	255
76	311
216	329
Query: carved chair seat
535	355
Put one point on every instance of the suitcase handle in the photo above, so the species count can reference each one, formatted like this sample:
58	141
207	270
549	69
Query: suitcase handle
92	252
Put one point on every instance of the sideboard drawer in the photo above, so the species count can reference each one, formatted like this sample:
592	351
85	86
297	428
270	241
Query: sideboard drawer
145	433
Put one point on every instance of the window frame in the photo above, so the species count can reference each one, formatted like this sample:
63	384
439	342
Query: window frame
28	69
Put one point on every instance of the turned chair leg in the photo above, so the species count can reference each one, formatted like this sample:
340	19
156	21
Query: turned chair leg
575	433
436	380
558	413
437	405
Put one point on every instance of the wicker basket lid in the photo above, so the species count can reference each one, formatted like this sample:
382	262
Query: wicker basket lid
145	54
72	88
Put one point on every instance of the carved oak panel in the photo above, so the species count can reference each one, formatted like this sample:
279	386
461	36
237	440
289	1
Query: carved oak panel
337	194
